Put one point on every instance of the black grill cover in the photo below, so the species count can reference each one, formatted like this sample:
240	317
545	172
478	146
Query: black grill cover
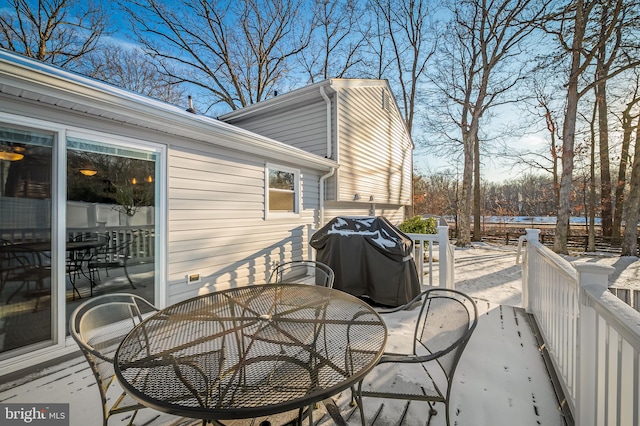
370	257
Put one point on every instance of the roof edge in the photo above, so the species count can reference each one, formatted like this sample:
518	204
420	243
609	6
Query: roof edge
30	75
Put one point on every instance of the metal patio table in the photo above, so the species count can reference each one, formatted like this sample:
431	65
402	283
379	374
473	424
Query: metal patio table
250	351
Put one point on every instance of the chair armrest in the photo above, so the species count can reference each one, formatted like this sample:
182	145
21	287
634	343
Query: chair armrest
406	358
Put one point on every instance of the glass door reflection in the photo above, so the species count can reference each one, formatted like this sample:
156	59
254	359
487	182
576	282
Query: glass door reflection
25	233
111	197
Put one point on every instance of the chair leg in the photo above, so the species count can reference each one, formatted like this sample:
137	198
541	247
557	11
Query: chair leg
75	291
432	410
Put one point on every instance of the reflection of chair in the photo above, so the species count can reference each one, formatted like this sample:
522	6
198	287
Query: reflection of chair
113	254
82	254
444	325
23	265
98	326
304	272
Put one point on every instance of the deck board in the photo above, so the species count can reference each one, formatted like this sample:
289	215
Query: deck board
501	380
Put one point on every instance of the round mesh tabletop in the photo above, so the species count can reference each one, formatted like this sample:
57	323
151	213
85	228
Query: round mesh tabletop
250	351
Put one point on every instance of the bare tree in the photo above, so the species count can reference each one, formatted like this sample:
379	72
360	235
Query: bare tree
132	69
625	16
632	206
543	108
236	52
60	32
629	114
337	44
582	37
482	41
408	34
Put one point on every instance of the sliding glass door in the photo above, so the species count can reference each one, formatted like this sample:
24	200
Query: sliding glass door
25	231
110	224
71	230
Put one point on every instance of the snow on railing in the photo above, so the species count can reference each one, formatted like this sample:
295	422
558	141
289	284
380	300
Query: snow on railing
445	256
592	338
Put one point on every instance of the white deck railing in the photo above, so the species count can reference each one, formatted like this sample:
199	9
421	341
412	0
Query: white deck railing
592	337
445	256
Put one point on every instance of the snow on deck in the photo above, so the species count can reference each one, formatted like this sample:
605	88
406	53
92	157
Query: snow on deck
501	378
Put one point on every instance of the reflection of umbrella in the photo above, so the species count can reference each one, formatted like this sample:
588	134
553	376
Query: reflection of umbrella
370	257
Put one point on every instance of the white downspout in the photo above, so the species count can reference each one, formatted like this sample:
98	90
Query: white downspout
329	154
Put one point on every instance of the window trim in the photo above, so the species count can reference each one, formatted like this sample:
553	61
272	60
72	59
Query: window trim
268	214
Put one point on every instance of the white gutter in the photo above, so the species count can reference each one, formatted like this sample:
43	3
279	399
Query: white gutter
328	101
323	178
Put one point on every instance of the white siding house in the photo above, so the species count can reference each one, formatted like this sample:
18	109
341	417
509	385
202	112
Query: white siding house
211	214
358	124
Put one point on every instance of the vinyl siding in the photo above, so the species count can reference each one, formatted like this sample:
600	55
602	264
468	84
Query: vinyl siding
374	150
216	221
393	213
304	126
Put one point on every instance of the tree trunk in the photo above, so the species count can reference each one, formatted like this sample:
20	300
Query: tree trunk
603	127
627	130
477	233
464	234
632	205
568	134
591	238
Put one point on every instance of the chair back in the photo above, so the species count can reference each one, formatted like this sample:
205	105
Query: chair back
304	272
98	326
445	324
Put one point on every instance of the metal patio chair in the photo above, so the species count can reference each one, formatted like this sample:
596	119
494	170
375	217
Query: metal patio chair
98	326
304	272
443	327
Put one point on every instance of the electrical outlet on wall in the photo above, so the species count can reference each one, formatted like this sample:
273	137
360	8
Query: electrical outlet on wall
193	278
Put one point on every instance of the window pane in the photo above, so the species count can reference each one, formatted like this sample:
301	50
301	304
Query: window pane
111	197
281	180
25	232
283	201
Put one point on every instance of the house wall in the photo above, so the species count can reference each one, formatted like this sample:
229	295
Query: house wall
395	214
373	148
304	126
215	206
216	220
375	153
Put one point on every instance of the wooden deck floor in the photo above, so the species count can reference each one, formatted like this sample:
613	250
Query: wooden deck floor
501	380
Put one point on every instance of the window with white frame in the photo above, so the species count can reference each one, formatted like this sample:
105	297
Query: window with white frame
282	190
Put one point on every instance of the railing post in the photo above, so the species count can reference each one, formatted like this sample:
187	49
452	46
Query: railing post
443	241
596	277
532	235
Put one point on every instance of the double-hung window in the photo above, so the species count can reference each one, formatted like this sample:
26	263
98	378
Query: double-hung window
282	191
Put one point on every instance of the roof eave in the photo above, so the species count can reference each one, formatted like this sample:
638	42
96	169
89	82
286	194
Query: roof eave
26	78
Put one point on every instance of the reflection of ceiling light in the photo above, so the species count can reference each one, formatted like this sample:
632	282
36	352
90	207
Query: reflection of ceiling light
149	179
88	171
134	181
11	156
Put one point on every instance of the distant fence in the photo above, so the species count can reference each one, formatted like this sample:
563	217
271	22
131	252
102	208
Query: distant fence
574	242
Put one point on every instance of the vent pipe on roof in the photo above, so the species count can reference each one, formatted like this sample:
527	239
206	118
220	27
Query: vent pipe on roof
191	109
